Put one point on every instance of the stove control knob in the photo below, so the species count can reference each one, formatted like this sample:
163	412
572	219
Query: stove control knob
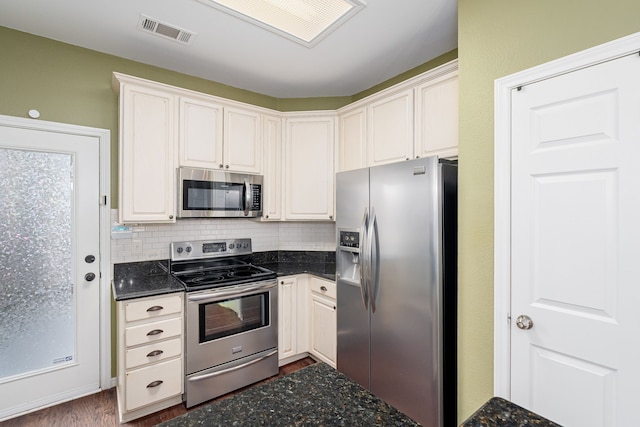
188	249
246	245
231	246
179	250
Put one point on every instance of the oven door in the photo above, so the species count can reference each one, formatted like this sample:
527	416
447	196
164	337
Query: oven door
229	323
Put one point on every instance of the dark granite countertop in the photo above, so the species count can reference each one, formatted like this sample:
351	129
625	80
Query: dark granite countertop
143	279
316	395
498	412
287	263
149	278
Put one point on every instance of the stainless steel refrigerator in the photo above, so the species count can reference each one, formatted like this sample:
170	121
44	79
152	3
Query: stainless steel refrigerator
397	284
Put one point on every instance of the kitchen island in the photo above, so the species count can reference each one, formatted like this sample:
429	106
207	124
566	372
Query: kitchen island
315	395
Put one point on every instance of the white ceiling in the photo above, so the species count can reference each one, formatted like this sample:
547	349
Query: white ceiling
383	40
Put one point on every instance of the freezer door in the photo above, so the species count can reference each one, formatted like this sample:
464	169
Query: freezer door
352	201
405	324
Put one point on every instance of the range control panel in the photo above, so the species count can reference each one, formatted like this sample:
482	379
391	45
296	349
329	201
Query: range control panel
209	249
349	240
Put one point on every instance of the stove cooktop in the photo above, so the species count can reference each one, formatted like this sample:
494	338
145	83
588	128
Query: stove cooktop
215	263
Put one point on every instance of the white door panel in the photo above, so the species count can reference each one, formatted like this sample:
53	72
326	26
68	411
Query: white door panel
575	243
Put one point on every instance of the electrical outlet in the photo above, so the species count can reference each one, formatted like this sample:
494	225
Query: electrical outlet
136	247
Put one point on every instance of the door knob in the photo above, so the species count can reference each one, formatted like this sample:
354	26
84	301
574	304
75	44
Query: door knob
89	277
524	322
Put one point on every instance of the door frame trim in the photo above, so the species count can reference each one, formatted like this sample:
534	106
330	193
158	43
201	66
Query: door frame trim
502	187
104	138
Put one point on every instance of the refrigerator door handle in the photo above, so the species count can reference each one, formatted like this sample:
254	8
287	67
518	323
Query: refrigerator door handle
374	260
364	288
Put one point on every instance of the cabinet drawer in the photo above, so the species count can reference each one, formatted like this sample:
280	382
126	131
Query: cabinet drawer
323	287
154	383
150	308
153	353
152	331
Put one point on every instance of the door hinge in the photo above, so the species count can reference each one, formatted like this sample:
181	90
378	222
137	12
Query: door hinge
103	200
509	318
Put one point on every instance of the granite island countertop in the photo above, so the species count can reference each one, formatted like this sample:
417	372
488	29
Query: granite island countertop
316	395
498	412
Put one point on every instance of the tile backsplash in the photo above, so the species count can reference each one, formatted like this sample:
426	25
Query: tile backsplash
151	241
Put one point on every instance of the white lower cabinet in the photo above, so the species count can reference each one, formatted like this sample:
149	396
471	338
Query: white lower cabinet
150	362
323	333
307	319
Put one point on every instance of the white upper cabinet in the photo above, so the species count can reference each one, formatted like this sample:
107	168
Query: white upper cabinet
437	117
200	138
309	167
390	129
147	157
416	118
242	140
272	167
216	136
352	146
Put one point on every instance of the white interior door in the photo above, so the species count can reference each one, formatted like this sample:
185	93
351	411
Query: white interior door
49	301
575	248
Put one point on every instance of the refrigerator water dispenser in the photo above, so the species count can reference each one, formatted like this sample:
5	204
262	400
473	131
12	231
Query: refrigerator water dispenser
349	255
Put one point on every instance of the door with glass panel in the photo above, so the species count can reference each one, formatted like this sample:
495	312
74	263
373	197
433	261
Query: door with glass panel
49	268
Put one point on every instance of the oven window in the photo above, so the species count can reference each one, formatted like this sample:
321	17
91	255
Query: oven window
229	317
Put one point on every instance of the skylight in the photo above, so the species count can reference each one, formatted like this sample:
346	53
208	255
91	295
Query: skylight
303	21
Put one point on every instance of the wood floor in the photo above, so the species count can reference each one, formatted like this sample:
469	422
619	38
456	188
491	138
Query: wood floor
100	409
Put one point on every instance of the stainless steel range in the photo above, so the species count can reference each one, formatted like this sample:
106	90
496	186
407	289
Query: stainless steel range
231	331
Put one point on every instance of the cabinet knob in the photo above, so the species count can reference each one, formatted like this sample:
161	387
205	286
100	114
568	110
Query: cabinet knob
266	216
170	216
330	216
220	165
226	166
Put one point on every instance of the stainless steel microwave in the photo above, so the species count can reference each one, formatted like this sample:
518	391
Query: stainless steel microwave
210	193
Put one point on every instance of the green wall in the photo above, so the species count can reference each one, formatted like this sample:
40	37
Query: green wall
497	38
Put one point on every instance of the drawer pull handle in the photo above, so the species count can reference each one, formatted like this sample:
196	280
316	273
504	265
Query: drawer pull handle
155	332
155	383
155	308
323	288
155	353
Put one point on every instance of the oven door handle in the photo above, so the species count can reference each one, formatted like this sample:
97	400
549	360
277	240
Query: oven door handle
237	292
235	368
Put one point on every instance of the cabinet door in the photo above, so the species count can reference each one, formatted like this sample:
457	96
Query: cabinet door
287	316
323	328
200	133
309	168
242	140
147	155
272	168
437	117
353	140
390	129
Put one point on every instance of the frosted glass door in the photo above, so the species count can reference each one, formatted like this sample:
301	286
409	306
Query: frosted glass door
49	264
36	261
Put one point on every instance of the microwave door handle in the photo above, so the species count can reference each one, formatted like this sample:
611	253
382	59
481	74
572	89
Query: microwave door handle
247	198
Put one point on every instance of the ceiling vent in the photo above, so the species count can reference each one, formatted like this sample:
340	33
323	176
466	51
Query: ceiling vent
165	30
